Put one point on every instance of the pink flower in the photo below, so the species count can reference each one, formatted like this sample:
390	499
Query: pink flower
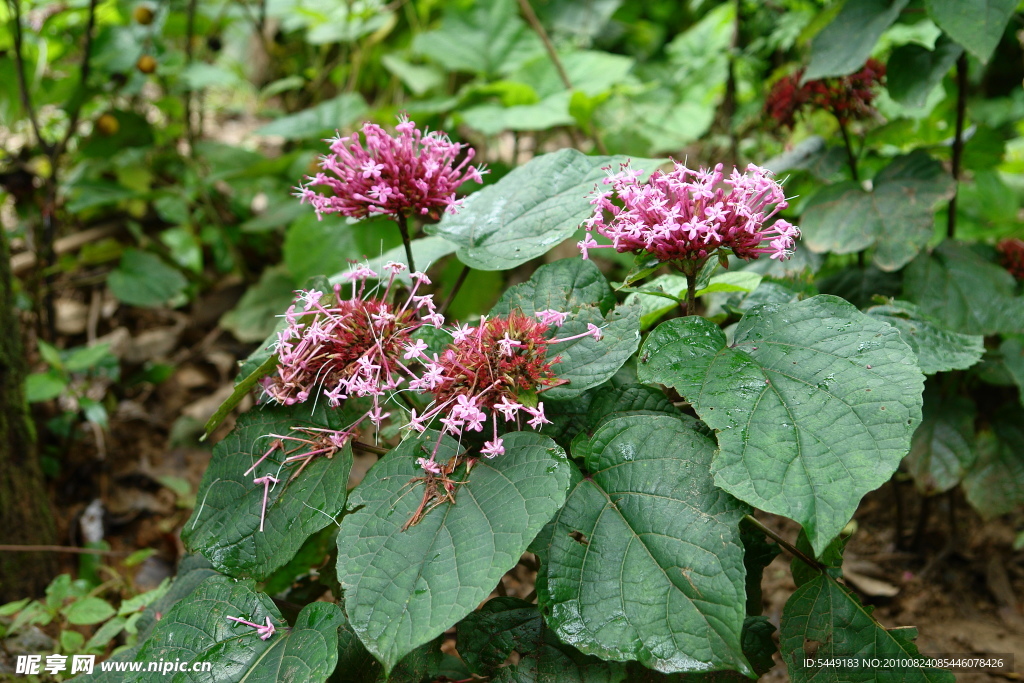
538	416
429	465
687	215
551	317
411	173
493	448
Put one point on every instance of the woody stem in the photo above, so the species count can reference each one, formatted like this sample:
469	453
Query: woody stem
403	227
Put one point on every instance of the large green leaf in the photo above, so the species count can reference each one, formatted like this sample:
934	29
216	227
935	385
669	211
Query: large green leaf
324	118
225	526
403	588
482	37
896	217
576	286
823	620
488	636
814	403
645	561
192	571
197	629
844	45
914	70
530	210
942	450
143	279
994	484
491	119
978	25
937	350
964	292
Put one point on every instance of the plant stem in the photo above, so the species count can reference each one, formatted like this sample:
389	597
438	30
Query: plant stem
851	158
59	549
369	448
19	63
691	293
455	289
786	545
403	227
958	141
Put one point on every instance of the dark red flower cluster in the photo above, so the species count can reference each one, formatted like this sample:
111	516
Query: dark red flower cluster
1012	255
847	97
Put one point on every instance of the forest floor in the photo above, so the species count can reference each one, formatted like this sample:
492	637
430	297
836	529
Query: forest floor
953	575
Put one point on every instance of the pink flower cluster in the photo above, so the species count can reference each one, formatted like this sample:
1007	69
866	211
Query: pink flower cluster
413	173
687	215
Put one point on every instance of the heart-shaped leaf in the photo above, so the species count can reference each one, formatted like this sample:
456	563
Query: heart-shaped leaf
645	561
197	630
404	587
225	526
815	404
530	210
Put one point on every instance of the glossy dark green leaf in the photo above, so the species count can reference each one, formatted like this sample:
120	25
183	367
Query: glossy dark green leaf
814	404
225	526
488	636
896	217
942	450
823	620
914	70
578	287
937	349
197	629
964	292
530	210
978	25
403	588
845	44
645	561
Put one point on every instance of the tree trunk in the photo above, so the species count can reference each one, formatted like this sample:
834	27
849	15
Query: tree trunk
25	514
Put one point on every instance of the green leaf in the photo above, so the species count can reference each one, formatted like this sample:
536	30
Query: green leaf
914	70
1011	354
964	292
403	588
942	450
88	194
814	404
192	571
824	620
486	38
994	484
860	286
254	317
578	287
225	526
143	279
530	210
630	399
978	25
937	350
42	386
896	217
240	391
845	44
645	561
488	636
491	119
417	78
89	611
324	118
197	629
86	358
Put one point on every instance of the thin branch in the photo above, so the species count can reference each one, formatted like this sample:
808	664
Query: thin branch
786	545
369	448
60	549
83	83
403	227
958	141
851	158
455	289
190	29
19	63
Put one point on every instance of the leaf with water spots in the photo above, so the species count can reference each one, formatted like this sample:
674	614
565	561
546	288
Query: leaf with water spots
814	404
645	560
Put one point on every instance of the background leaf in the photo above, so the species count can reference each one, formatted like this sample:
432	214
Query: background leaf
320	120
978	25
143	279
942	450
814	404
937	350
994	484
845	44
643	543
913	70
403	588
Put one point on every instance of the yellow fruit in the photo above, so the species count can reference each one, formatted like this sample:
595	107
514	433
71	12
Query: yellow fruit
108	125
143	15
146	64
